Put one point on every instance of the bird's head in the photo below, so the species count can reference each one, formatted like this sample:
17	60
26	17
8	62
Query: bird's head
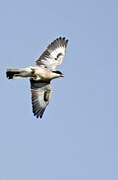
57	74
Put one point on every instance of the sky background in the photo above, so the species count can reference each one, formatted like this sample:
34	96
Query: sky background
77	138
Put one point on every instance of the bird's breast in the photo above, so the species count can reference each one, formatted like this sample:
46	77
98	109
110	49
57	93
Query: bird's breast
40	73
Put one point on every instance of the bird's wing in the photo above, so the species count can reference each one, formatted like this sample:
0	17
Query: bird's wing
41	93
54	54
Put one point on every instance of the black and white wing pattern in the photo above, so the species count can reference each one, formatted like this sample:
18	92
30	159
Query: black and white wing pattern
41	93
54	54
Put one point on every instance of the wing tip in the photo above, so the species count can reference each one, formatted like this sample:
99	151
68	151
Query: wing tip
40	114
60	41
63	39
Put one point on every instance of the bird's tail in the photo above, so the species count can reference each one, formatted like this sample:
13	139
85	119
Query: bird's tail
18	73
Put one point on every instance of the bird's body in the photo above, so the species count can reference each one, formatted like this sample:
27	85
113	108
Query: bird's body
41	74
35	72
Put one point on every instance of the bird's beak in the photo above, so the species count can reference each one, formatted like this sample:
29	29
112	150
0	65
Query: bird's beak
62	75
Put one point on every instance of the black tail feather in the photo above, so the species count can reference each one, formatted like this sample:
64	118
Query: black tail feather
10	75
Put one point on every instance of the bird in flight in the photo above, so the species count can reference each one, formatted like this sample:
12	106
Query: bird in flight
41	74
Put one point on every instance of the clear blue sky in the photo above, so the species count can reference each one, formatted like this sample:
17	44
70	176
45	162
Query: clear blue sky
78	136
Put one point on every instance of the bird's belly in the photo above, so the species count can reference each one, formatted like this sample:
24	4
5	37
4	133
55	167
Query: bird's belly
41	74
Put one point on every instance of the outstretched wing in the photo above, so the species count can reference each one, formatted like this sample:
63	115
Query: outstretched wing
54	54
41	93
